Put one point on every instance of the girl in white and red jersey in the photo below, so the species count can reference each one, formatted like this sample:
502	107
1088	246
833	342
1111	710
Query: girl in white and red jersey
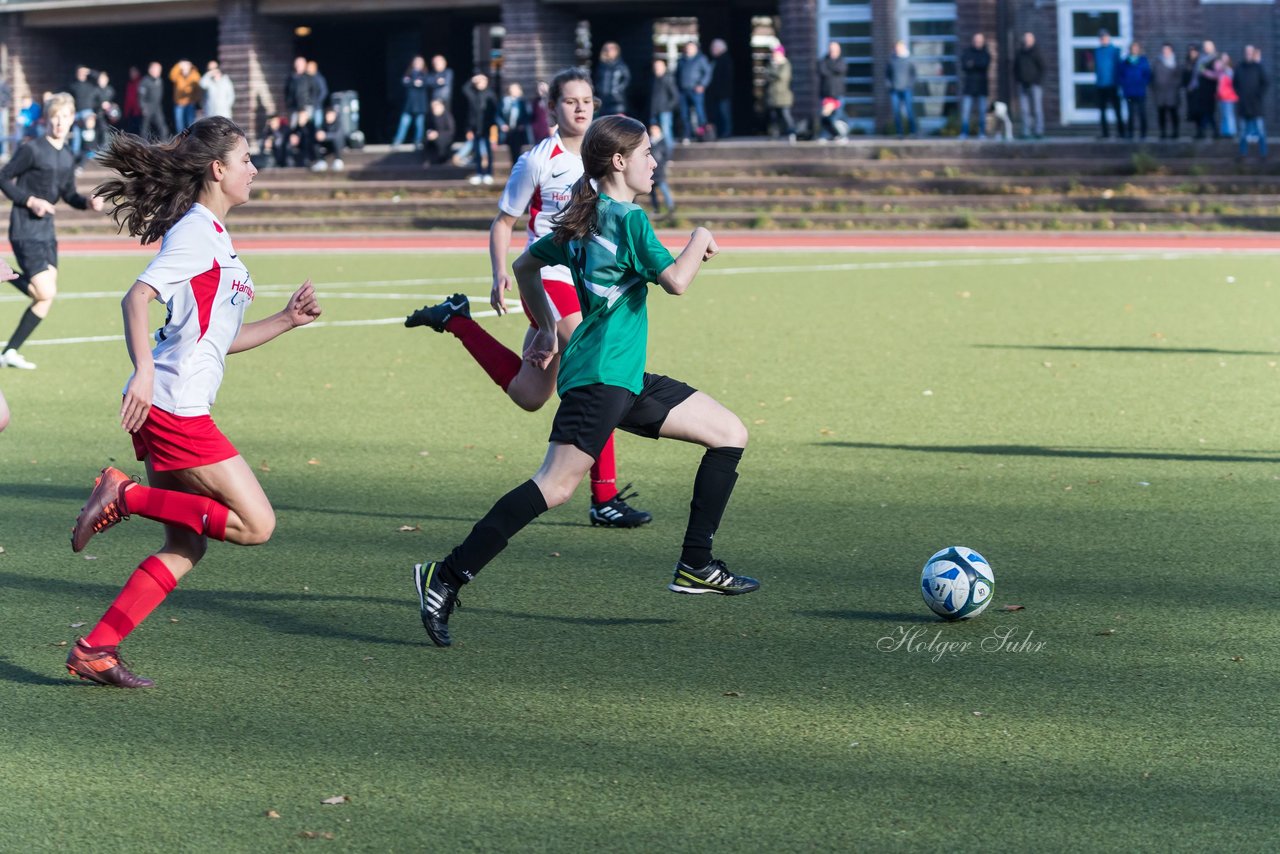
198	484
540	183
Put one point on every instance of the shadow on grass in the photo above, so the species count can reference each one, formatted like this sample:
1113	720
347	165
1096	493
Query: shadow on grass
10	672
1067	453
869	616
415	515
1084	348
575	621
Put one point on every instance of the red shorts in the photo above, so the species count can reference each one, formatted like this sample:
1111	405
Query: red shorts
174	442
564	299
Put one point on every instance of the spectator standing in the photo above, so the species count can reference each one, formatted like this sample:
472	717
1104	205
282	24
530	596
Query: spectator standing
84	92
1166	81
186	83
513	120
833	71
151	104
664	99
1189	83
108	110
219	91
1252	83
660	148
1028	73
693	73
1106	74
1203	89
778	96
320	93
417	85
482	115
1226	95
612	80
30	118
540	121
299	91
130	109
440	81
1134	78
719	92
901	76
441	130
975	61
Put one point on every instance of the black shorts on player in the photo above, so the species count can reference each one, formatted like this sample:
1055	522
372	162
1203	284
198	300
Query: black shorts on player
34	257
588	414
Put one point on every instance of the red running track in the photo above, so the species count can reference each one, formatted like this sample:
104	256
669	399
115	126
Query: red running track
774	241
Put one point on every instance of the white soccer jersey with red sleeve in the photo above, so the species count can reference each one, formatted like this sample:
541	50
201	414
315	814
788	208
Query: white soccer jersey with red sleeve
206	289
542	182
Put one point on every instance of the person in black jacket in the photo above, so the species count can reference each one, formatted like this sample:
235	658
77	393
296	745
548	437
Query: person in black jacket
664	100
832	73
482	115
719	91
416	86
438	147
151	104
1251	84
975	62
612	80
41	173
301	91
1028	72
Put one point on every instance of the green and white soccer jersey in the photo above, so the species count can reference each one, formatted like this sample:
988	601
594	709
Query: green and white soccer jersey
611	270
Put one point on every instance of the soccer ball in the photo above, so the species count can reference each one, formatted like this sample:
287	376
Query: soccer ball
957	583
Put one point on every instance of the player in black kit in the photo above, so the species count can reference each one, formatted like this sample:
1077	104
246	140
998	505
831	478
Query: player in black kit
41	173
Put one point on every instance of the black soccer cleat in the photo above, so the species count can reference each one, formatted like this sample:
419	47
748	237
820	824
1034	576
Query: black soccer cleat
436	316
436	601
616	513
715	577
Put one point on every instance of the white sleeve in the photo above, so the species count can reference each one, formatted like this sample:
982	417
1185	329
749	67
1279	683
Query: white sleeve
180	260
520	186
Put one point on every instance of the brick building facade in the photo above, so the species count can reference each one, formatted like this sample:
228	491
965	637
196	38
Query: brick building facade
364	46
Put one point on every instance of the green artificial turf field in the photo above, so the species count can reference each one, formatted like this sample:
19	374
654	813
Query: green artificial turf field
1101	427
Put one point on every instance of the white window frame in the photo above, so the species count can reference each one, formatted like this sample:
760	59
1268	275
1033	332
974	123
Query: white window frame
914	11
846	14
1068	43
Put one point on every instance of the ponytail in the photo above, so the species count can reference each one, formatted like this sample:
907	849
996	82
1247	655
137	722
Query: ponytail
578	219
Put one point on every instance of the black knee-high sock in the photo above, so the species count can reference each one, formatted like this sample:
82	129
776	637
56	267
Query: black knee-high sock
26	326
22	283
717	473
489	537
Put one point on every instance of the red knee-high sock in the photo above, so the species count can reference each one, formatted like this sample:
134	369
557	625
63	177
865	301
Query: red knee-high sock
604	475
498	361
200	513
145	589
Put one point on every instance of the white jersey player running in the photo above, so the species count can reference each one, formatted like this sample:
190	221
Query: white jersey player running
540	183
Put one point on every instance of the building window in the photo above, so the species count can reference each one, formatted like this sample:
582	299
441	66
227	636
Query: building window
849	23
1078	23
929	29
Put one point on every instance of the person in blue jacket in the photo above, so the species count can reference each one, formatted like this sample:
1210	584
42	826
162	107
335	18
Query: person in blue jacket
1135	76
1106	70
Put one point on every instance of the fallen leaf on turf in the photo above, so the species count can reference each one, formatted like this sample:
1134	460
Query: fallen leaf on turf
335	800
1	550
90	557
424	453
1014	608
272	814
758	421
173	619
977	714
313	462
76	625
1237	658
263	466
554	554
1105	632
827	431
733	693
405	529
367	658
60	643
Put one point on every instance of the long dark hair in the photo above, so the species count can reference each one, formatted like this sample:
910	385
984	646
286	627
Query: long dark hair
159	182
606	137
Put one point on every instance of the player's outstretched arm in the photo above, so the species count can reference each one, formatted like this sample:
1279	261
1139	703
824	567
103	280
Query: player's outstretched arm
701	247
137	395
542	347
499	245
301	309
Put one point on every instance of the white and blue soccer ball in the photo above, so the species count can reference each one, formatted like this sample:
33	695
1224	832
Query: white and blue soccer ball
957	583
